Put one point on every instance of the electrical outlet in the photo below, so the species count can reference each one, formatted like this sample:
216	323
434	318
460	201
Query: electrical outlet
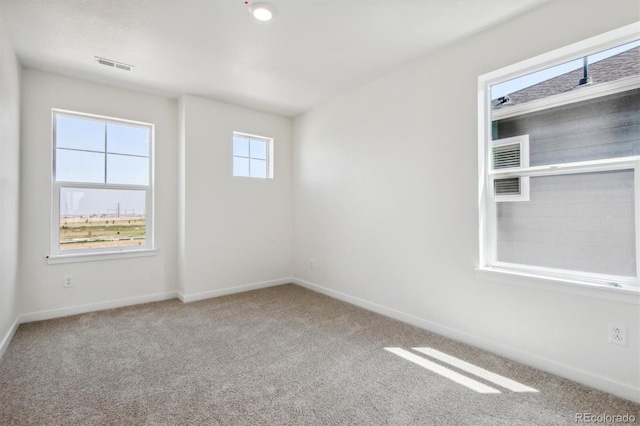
68	281
312	264
618	334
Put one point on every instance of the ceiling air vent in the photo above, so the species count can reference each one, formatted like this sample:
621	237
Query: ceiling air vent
114	64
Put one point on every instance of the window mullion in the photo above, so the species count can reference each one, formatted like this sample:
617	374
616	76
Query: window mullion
55	230
128	155
90	185
636	175
249	157
105	152
624	163
79	150
491	219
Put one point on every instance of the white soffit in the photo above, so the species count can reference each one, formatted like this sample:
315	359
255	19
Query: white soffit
311	51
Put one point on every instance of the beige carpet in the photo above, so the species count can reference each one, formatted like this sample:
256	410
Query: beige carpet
278	356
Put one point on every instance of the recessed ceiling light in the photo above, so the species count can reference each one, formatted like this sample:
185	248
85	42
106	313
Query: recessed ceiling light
261	11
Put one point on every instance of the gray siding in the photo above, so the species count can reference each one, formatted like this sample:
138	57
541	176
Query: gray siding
580	222
600	128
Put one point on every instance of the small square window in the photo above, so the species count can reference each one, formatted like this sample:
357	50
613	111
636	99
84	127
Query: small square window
252	156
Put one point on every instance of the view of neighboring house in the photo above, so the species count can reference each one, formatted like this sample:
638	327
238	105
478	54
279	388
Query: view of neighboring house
576	221
617	67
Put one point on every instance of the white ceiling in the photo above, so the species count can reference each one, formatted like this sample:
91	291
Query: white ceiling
311	51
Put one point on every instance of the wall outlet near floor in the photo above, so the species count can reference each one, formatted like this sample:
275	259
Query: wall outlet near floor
618	334
312	263
68	281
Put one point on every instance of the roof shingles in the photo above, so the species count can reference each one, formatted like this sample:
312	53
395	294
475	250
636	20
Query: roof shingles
622	65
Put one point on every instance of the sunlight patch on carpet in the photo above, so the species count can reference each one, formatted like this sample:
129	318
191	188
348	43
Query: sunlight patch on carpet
443	371
475	370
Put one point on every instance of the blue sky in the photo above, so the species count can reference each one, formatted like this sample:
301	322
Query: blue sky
510	86
249	157
81	157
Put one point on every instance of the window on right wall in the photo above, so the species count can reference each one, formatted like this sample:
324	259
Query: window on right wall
560	168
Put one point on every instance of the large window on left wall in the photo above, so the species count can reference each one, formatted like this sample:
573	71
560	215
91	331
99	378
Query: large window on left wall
102	185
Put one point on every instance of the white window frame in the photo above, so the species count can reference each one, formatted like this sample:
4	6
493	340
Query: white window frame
269	159
488	266
104	253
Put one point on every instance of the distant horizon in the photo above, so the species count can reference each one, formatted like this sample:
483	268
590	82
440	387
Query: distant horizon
91	215
75	202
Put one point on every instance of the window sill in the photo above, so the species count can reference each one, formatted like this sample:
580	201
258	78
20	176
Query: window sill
92	257
626	294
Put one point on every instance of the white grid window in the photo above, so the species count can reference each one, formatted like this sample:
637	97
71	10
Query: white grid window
102	184
252	156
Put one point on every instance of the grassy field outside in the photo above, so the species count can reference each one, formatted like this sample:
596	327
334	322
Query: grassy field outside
95	232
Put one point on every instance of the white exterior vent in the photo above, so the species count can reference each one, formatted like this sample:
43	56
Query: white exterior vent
507	186
114	64
506	156
511	153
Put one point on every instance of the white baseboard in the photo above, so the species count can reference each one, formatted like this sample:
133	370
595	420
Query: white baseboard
622	390
92	307
187	298
7	338
111	304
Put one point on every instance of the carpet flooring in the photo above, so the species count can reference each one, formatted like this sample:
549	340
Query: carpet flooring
277	356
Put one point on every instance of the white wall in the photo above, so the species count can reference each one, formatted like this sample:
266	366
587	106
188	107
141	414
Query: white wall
385	201
9	185
100	281
214	233
237	231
